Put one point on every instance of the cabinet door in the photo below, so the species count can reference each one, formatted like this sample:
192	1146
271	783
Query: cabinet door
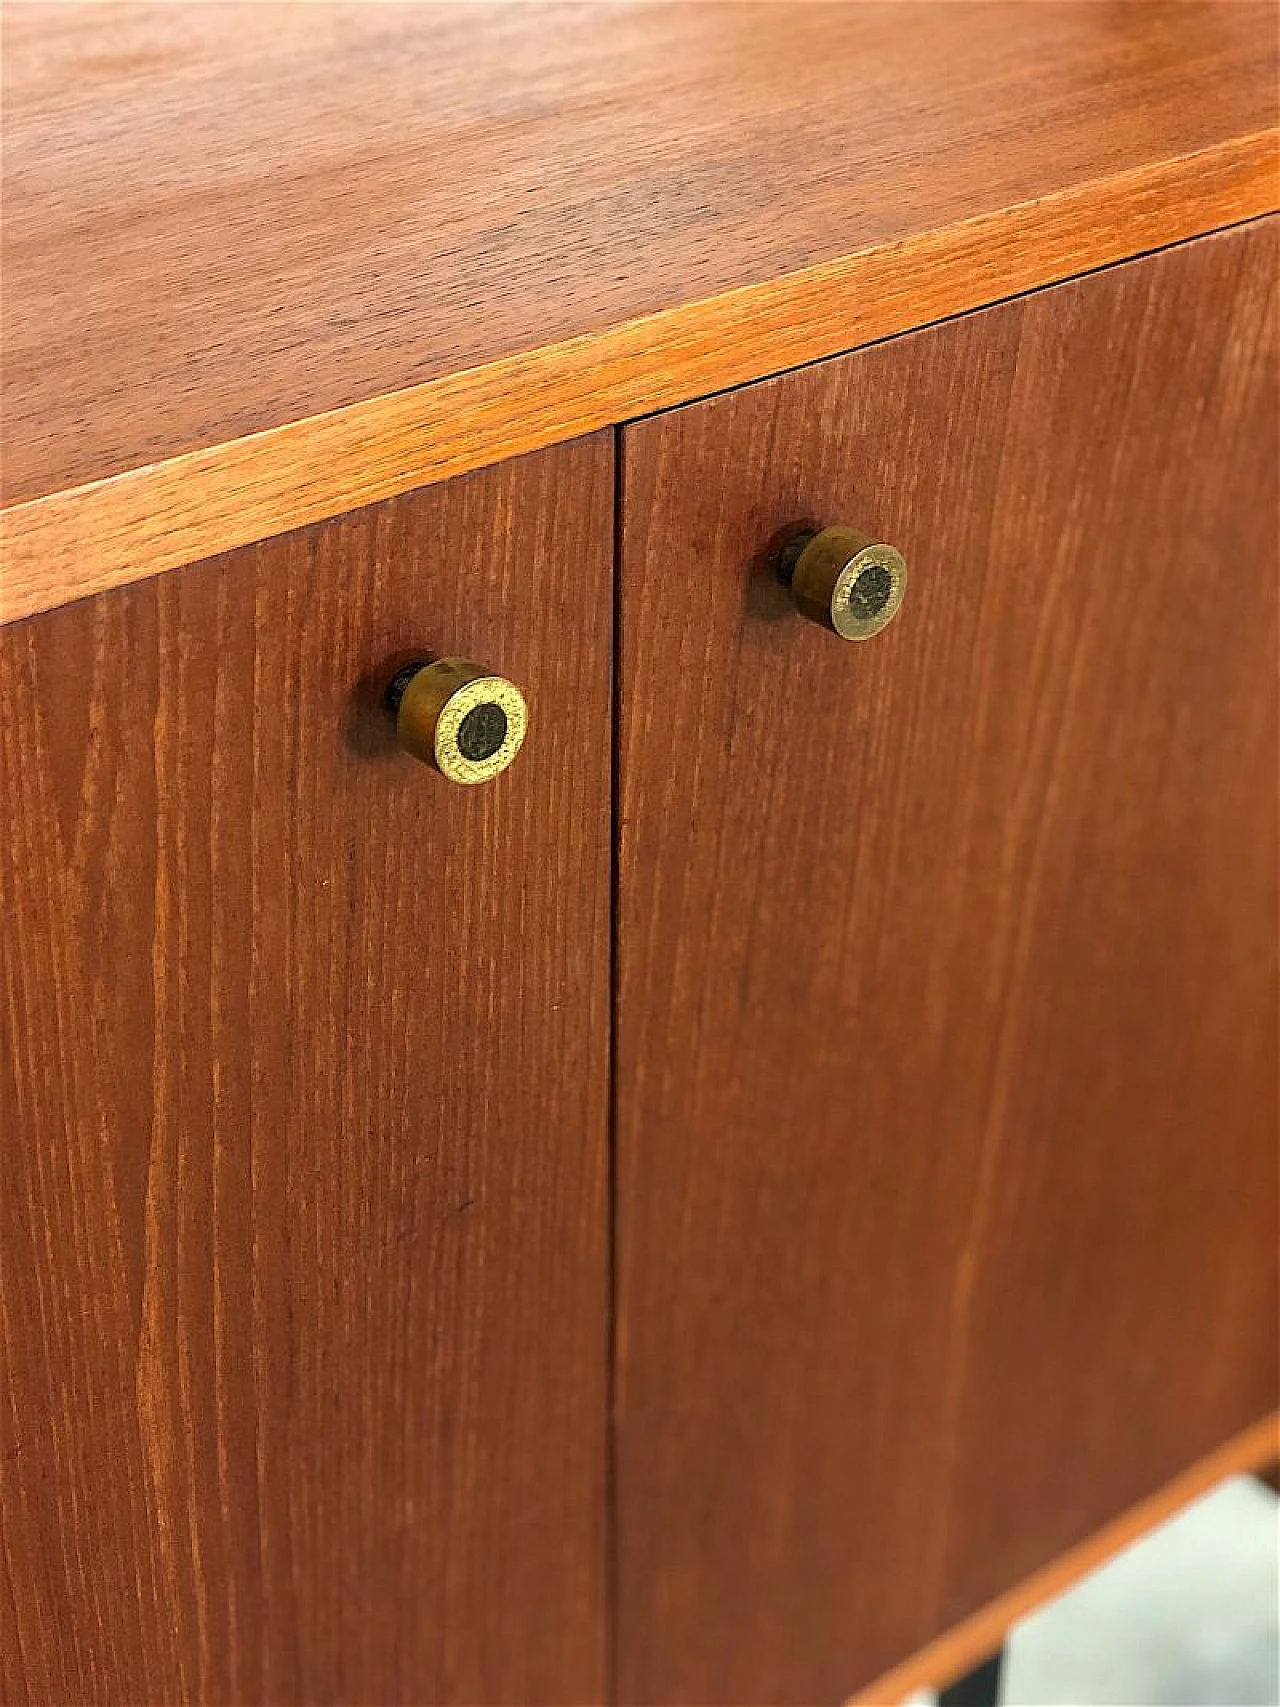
305	1058
946	1006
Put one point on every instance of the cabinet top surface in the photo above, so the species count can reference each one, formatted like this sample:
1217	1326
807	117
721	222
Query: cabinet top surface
262	263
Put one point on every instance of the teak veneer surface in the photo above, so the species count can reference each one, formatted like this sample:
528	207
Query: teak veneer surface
946	985
303	1116
266	263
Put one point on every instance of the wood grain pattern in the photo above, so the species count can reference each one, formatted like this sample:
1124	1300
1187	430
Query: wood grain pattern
946	1010
263	265
956	1653
304	1080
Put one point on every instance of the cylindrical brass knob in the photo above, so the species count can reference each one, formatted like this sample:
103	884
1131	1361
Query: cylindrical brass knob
844	580
452	714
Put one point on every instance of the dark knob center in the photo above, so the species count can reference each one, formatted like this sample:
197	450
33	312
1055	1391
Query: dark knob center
481	732
870	592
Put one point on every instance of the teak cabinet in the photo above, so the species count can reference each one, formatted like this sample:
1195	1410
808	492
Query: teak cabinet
688	1223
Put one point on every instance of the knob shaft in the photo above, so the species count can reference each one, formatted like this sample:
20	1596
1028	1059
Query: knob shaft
845	581
457	717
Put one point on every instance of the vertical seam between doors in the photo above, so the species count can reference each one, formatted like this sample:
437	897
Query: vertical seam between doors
615	840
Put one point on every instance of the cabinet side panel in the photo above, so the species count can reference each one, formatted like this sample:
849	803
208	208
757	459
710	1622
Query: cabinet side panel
302	1263
946	1006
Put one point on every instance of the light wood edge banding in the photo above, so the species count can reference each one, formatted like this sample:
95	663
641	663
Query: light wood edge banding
969	1643
108	533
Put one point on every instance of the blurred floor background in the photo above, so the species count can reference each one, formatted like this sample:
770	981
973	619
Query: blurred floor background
1187	1617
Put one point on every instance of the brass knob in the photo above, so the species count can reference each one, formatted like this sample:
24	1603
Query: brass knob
844	580
452	714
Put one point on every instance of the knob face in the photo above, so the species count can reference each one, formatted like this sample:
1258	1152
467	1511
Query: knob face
847	582
455	716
